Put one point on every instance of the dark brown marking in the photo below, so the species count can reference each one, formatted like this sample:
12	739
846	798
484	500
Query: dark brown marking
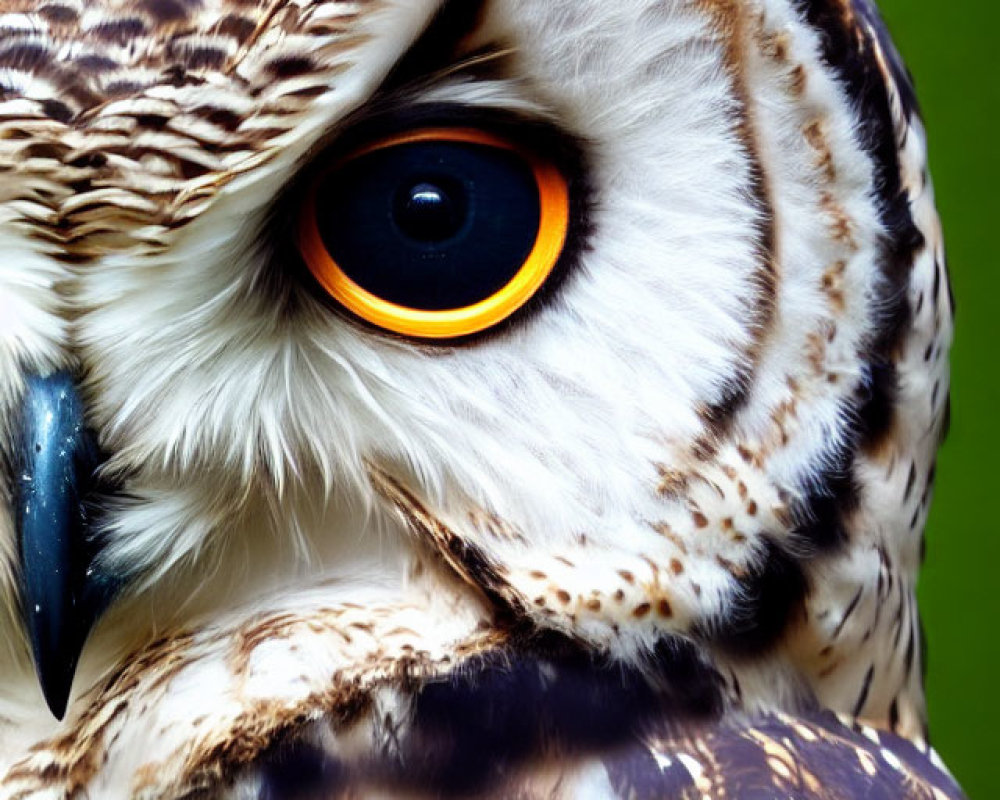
164	11
894	714
865	689
120	31
57	110
672	481
925	495
797	81
816	137
847	612
56	14
25	56
94	63
291	66
666	531
203	58
737	572
819	516
763	604
910	480
910	650
240	28
467	560
223	117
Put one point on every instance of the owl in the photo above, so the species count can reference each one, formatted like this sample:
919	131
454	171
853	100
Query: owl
464	398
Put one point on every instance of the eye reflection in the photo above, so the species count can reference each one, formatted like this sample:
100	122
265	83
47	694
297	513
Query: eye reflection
431	212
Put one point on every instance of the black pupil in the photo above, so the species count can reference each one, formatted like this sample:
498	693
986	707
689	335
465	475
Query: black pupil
432	225
430	211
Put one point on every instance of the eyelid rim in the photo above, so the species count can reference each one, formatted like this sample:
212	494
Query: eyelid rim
553	231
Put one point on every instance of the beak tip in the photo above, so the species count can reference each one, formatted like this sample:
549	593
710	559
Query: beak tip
63	592
56	643
56	692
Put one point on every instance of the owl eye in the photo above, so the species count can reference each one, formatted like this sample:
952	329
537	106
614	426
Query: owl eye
435	233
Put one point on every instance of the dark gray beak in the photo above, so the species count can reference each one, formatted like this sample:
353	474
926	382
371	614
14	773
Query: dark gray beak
56	496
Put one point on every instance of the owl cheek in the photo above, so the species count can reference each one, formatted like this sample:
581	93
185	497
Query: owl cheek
62	592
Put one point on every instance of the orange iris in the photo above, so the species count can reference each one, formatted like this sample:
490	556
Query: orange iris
448	323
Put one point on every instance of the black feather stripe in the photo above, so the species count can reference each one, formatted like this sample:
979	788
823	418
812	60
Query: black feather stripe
849	49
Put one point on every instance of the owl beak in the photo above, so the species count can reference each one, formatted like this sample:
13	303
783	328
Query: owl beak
62	596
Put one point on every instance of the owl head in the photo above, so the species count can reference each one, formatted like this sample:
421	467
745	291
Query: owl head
628	319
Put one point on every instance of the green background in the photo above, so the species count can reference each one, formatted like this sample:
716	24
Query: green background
952	50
